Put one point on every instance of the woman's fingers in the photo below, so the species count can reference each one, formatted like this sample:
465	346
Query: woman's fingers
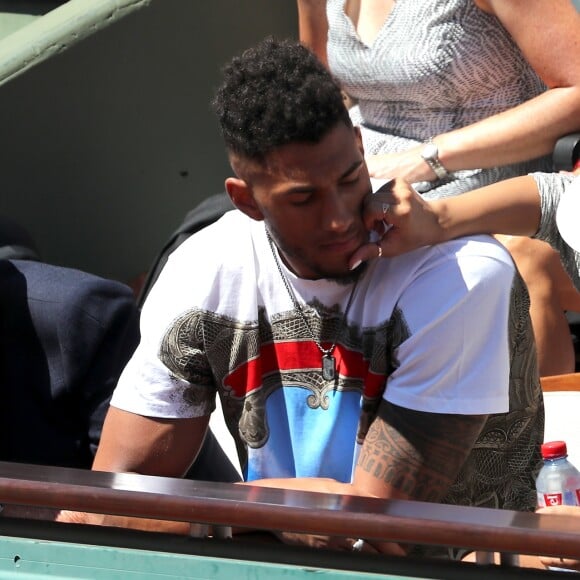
400	221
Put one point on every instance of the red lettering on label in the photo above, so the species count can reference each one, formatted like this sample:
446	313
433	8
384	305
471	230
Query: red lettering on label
553	499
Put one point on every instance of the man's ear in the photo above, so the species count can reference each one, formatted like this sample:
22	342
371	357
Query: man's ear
241	195
359	140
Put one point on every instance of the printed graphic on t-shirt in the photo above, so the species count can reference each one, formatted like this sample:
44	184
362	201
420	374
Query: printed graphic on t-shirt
290	421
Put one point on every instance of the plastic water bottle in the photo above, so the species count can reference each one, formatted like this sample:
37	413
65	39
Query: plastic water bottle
558	482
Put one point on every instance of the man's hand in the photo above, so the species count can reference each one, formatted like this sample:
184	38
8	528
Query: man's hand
71	517
149	525
340	544
312	541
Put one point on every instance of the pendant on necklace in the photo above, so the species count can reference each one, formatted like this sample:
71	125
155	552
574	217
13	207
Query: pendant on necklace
328	367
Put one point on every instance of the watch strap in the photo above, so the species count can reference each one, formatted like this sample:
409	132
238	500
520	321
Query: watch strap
434	163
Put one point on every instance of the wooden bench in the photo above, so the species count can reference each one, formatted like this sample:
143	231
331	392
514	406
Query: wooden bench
272	509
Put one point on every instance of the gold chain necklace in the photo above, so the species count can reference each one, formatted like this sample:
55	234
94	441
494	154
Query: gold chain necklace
328	361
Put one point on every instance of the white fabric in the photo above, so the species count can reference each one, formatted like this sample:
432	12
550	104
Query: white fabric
551	187
562	410
567	215
454	298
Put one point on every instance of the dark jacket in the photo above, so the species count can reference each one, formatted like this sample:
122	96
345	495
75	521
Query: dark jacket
65	337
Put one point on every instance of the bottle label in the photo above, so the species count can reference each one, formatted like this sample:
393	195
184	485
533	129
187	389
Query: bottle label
565	497
548	499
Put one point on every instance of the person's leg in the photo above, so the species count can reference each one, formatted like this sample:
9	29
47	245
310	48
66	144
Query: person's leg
551	293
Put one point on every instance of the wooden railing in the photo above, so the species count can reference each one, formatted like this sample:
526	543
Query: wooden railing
273	509
567	382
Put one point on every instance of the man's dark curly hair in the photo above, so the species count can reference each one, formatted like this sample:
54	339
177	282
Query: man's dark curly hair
276	93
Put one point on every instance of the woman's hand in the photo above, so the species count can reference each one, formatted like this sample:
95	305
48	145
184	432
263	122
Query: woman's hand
402	219
407	165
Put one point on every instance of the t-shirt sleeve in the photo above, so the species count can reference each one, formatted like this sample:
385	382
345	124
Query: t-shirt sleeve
156	381
456	308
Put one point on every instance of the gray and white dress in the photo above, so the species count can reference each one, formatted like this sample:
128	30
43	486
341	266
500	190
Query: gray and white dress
436	66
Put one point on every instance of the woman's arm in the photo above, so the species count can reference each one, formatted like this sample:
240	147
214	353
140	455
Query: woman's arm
548	34
507	207
313	26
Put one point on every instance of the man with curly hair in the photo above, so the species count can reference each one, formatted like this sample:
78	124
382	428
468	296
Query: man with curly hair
340	377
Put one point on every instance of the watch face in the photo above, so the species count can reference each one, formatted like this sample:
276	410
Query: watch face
430	151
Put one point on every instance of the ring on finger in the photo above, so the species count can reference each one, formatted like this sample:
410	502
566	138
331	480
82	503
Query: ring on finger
386	225
380	250
358	545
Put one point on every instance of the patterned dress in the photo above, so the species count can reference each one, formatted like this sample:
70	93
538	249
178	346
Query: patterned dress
436	66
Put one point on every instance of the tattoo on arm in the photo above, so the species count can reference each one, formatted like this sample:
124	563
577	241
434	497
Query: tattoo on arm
416	454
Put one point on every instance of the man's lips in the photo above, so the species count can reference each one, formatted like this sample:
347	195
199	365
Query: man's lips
346	245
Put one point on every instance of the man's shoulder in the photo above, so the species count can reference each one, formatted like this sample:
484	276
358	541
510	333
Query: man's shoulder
449	271
482	246
228	236
482	256
207	266
476	261
471	253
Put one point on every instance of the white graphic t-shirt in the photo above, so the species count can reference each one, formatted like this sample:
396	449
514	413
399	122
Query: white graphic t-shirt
220	321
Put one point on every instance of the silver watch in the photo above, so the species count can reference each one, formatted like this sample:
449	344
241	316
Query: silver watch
430	155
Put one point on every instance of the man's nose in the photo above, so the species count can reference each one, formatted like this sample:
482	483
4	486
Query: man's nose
337	213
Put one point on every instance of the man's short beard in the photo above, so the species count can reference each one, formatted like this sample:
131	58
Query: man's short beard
352	276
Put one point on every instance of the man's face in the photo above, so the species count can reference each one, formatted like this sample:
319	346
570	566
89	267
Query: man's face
310	196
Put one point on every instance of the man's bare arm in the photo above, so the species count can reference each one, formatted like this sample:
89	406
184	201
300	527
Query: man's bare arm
414	455
146	445
149	445
406	455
